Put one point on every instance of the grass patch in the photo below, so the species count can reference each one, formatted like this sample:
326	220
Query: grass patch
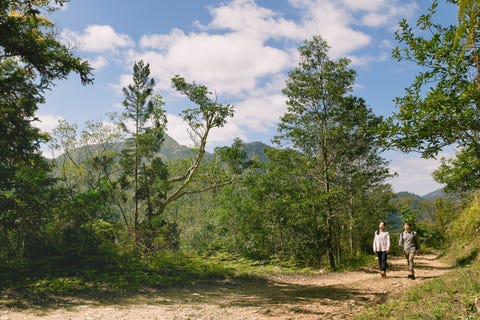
467	257
359	262
450	297
133	277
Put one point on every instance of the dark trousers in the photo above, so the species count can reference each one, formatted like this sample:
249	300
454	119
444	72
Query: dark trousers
382	260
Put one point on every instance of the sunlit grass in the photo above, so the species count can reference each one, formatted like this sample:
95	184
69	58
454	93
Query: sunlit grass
450	297
131	276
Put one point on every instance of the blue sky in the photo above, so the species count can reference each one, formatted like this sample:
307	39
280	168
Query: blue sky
242	50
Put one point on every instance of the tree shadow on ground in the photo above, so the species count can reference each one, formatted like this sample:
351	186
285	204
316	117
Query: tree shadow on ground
225	291
242	292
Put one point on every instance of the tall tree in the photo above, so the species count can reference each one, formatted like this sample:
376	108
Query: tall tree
441	106
201	120
155	187
144	122
31	60
334	132
140	184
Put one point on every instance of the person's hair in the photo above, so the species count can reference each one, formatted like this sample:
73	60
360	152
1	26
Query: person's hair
378	231
408	223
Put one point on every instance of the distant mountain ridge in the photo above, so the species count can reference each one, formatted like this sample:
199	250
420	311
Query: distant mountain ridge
171	149
439	193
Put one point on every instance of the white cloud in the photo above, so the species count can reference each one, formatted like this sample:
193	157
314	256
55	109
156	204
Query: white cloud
335	20
397	11
245	16
161	41
367	5
225	135
99	63
123	82
244	52
385	17
233	52
228	63
375	19
414	173
360	61
377	13
333	23
262	109
98	38
47	122
177	130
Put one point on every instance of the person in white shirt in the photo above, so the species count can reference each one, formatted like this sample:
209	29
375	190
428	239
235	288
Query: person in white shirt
381	246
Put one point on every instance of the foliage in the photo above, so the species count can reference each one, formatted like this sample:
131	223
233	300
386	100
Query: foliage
338	146
464	232
142	171
25	210
82	233
29	38
460	174
440	108
127	166
31	60
409	206
430	217
131	276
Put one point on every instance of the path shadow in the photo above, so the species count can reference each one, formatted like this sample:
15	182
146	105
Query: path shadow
232	291
245	292
271	293
428	267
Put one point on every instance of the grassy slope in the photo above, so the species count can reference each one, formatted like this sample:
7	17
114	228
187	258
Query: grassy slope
451	296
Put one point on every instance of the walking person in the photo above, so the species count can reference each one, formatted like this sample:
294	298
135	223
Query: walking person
381	246
409	240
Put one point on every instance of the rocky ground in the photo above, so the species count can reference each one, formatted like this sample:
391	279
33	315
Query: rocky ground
318	296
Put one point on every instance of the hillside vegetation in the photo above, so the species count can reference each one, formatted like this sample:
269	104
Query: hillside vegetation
453	295
126	210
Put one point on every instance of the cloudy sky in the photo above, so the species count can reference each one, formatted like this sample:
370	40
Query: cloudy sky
240	49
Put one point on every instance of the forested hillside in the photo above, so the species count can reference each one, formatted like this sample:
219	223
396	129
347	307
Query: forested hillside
210	232
123	207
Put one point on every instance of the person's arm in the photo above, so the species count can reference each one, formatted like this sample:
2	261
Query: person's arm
400	239
417	242
375	243
388	241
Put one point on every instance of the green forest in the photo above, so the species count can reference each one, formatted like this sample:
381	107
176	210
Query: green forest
124	207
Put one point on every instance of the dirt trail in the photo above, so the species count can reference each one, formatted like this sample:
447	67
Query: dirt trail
319	296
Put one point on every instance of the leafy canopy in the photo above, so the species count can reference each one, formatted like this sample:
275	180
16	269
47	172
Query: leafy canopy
441	106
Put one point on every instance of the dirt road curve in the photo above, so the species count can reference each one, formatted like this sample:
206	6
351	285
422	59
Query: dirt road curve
321	296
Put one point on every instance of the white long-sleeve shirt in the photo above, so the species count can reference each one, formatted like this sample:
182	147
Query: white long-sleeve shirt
381	241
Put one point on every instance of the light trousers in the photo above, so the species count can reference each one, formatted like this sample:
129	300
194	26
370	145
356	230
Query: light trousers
409	255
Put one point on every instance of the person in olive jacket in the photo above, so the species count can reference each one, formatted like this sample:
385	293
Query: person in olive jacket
409	240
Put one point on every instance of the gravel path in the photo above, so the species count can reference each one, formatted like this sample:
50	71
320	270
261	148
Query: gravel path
318	296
